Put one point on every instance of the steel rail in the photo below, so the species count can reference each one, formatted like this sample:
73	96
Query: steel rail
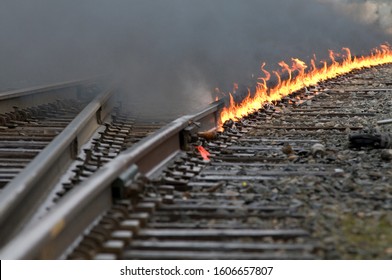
382	122
35	95
50	237
23	195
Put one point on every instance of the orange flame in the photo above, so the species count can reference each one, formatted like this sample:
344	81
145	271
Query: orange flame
204	153
264	94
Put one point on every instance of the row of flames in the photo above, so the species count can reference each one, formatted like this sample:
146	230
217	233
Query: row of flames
299	78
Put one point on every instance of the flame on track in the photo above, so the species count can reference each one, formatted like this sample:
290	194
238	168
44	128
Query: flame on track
299	77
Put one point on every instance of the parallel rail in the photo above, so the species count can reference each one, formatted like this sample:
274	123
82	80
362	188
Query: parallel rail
23	195
35	95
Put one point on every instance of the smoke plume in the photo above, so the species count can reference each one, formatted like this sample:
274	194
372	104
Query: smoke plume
372	12
170	53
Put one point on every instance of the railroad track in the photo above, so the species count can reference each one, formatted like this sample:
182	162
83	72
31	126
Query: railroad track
281	183
55	137
33	122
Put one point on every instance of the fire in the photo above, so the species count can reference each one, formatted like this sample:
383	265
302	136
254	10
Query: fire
204	153
299	77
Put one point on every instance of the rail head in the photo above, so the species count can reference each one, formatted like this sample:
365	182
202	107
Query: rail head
43	94
45	88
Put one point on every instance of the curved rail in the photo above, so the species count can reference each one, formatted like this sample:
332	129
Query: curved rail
24	194
52	235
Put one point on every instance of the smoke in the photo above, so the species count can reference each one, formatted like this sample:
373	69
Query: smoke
371	12
170	53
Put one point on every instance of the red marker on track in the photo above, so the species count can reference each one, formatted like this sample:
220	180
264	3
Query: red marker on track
204	153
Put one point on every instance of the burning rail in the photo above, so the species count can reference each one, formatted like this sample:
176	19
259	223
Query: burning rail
299	78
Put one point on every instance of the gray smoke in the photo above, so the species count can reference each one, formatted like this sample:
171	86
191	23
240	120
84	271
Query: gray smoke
171	53
371	12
